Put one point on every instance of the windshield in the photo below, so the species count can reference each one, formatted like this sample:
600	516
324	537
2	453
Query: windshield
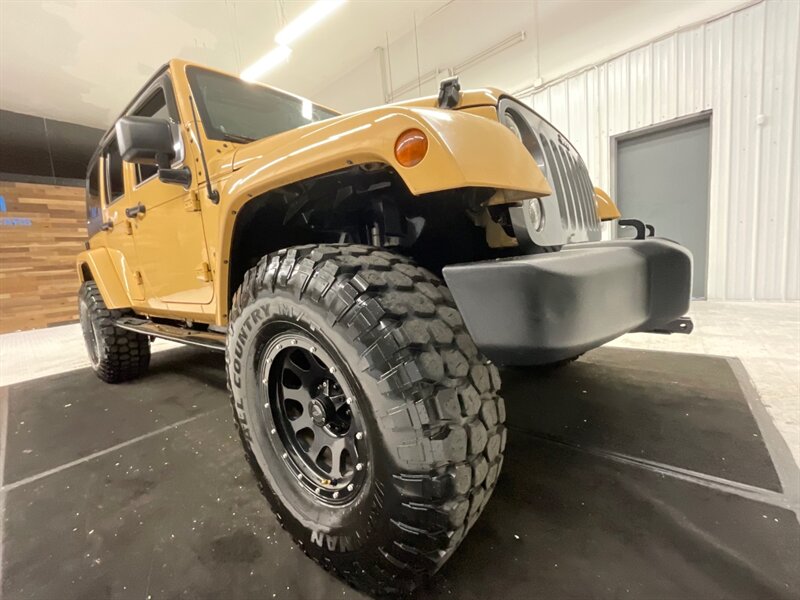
232	109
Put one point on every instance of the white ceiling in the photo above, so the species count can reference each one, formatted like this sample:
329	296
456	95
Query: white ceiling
560	37
83	61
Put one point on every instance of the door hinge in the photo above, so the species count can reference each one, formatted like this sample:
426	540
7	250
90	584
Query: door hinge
137	277
205	272
192	202
128	228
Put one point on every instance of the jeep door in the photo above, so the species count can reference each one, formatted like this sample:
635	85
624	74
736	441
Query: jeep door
169	235
117	227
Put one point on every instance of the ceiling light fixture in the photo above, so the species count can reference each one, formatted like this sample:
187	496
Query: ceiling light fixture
307	109
269	61
306	20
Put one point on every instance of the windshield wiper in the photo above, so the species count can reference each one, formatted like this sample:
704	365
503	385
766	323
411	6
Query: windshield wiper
240	139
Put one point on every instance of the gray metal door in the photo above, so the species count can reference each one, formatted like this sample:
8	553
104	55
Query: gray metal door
662	179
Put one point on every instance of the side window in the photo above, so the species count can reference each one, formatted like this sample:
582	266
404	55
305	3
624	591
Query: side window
93	209
115	186
156	106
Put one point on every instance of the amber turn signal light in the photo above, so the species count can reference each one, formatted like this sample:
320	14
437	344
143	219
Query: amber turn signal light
411	147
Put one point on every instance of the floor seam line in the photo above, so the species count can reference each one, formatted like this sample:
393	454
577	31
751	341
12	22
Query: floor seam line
33	478
786	467
759	494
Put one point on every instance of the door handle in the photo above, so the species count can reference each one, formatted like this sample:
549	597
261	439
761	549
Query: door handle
133	211
107	226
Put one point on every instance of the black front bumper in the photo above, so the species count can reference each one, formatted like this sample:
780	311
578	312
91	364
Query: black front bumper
542	308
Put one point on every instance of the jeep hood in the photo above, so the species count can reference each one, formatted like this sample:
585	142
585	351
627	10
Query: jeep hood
469	99
315	135
464	150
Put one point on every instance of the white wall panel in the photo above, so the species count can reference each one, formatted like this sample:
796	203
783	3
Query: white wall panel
641	91
744	68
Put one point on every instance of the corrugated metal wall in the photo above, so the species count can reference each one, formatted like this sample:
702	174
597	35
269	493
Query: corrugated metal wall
744	68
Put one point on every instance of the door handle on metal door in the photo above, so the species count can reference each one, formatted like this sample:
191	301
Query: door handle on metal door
131	212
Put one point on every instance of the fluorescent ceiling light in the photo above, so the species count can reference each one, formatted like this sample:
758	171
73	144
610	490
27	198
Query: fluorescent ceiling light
307	110
306	20
269	61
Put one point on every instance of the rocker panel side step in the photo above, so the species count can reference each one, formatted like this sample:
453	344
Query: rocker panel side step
182	335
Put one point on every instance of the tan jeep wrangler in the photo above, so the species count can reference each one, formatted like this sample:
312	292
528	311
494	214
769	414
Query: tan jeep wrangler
364	273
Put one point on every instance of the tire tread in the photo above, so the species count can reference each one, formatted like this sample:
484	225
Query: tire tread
127	353
443	396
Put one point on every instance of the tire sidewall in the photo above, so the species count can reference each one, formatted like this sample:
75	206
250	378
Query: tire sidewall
92	321
318	525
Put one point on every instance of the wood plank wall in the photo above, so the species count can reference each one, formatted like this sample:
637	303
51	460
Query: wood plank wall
41	231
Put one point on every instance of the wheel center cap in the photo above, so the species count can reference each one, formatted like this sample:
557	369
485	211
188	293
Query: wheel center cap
318	413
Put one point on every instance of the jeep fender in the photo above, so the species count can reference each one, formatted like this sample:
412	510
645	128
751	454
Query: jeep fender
464	150
101	270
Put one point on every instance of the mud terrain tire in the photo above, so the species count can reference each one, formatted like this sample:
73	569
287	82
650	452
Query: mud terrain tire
425	397
116	354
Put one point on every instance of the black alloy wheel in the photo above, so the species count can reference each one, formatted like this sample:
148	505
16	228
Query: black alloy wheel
89	333
313	418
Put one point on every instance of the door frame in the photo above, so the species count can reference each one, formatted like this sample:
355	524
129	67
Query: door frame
613	147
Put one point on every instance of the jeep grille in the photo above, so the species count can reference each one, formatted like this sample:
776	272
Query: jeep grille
561	164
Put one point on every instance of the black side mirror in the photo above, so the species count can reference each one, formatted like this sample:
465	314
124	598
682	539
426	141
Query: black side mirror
146	141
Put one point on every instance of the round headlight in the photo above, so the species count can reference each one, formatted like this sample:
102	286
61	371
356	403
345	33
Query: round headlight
520	128
511	123
536	214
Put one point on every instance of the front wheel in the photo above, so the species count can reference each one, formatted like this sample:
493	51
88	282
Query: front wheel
371	421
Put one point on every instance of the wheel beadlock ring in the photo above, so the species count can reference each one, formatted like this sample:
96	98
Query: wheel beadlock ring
312	420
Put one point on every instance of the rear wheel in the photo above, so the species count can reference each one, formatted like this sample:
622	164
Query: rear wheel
369	418
116	354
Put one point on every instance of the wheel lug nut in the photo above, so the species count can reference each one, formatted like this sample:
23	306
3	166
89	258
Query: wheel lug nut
266	404
294	342
332	369
312	349
350	487
359	466
272	430
284	455
359	436
335	494
349	401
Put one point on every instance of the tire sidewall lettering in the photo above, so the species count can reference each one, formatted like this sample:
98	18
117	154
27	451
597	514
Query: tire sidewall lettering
353	541
246	335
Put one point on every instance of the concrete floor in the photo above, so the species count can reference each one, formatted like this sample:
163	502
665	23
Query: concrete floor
628	474
764	336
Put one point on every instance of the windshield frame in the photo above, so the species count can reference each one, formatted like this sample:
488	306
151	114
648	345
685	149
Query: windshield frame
214	133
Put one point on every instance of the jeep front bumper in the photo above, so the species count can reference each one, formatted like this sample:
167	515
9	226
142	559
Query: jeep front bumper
542	308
